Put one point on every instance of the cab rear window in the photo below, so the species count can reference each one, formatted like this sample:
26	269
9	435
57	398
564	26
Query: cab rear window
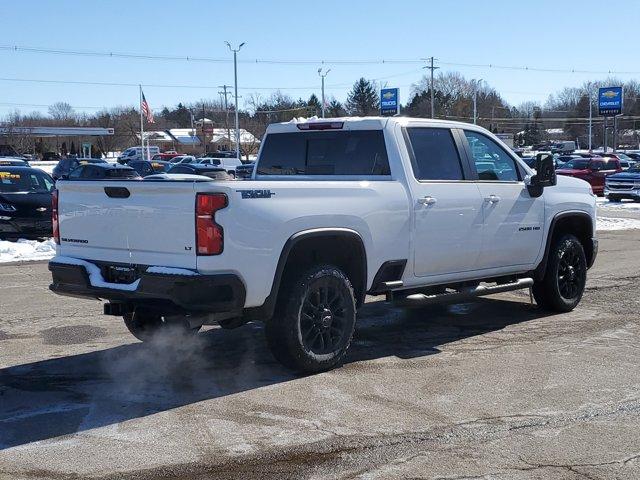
358	152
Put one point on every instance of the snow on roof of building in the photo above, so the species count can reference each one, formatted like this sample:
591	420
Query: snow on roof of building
157	136
184	136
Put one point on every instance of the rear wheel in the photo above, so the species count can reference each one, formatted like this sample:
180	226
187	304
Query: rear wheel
144	324
564	280
314	320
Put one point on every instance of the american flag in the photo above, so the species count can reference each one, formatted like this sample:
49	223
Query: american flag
146	111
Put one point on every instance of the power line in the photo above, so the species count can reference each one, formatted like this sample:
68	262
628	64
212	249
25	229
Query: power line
42	105
189	58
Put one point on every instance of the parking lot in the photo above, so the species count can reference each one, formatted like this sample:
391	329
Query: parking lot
490	389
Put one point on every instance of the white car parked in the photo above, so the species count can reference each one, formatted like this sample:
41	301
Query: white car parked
229	164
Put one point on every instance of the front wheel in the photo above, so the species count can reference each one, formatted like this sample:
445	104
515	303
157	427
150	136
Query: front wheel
565	277
145	324
314	320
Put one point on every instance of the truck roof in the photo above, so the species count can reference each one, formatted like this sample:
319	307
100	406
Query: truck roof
358	123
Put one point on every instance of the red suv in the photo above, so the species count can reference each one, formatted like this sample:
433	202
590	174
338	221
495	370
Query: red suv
592	170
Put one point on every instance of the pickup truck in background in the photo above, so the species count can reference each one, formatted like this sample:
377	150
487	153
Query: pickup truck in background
421	211
591	170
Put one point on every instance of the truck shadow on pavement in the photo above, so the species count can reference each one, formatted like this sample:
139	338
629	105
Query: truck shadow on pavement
76	393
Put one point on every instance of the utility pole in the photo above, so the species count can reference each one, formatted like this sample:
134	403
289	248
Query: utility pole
432	68
322	75
226	110
235	87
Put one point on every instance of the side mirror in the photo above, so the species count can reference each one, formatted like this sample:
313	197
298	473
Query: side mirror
545	170
545	175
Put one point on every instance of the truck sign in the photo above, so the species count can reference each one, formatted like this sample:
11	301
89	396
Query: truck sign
610	101
389	101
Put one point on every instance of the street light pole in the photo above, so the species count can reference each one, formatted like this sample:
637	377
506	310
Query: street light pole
475	100
590	120
322	77
235	88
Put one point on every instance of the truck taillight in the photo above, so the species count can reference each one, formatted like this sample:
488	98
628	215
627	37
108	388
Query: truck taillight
209	235
54	217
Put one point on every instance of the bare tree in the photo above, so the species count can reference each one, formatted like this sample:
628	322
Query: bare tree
61	111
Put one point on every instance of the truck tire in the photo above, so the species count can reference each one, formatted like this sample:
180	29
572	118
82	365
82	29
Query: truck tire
314	320
144	324
564	280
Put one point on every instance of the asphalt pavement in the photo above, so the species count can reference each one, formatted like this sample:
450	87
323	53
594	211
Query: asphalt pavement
491	389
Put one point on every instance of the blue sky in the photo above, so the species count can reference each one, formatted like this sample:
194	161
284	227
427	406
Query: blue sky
560	34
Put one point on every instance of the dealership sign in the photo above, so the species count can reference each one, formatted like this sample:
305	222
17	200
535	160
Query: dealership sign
389	101
610	101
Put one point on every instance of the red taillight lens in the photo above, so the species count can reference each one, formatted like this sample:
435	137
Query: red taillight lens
54	217
209	235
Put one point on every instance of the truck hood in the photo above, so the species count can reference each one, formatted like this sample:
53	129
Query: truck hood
27	200
625	176
571	171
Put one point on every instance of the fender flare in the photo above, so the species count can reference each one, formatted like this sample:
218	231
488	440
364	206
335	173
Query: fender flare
266	310
542	266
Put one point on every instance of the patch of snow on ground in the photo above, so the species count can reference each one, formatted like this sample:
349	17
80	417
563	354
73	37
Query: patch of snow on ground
611	223
26	250
623	205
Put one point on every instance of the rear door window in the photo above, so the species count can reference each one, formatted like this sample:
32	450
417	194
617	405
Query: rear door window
434	155
356	152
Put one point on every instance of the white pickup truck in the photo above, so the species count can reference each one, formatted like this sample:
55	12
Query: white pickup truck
419	210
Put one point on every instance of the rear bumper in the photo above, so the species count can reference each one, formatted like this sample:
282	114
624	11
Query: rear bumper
223	293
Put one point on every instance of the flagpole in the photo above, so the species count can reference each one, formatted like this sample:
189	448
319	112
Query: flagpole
141	125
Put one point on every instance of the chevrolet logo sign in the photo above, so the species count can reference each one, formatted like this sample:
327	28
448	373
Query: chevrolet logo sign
388	95
610	94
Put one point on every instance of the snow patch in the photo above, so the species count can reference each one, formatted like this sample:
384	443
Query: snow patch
171	271
605	204
95	276
23	250
613	223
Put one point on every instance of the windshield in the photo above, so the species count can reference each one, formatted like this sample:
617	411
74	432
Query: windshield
576	164
25	181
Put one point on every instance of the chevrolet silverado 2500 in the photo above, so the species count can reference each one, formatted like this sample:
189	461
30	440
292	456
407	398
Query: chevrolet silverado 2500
419	210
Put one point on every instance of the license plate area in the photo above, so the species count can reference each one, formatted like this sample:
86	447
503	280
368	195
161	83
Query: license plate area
119	274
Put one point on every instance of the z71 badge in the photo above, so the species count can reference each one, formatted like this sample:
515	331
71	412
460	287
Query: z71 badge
256	193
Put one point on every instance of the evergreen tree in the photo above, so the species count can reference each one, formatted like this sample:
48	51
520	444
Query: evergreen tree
314	104
335	109
363	99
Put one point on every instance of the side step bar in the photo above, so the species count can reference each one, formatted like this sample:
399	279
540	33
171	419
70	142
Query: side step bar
421	299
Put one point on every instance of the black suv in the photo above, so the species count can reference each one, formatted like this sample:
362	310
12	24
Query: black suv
102	171
67	165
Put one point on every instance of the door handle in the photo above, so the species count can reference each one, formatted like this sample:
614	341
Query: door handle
427	200
493	199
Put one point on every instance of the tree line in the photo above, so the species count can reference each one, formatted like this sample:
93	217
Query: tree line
529	122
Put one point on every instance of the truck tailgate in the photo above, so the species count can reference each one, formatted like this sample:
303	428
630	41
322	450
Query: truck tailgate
134	222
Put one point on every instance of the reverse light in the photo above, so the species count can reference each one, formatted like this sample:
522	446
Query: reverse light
54	217
209	235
